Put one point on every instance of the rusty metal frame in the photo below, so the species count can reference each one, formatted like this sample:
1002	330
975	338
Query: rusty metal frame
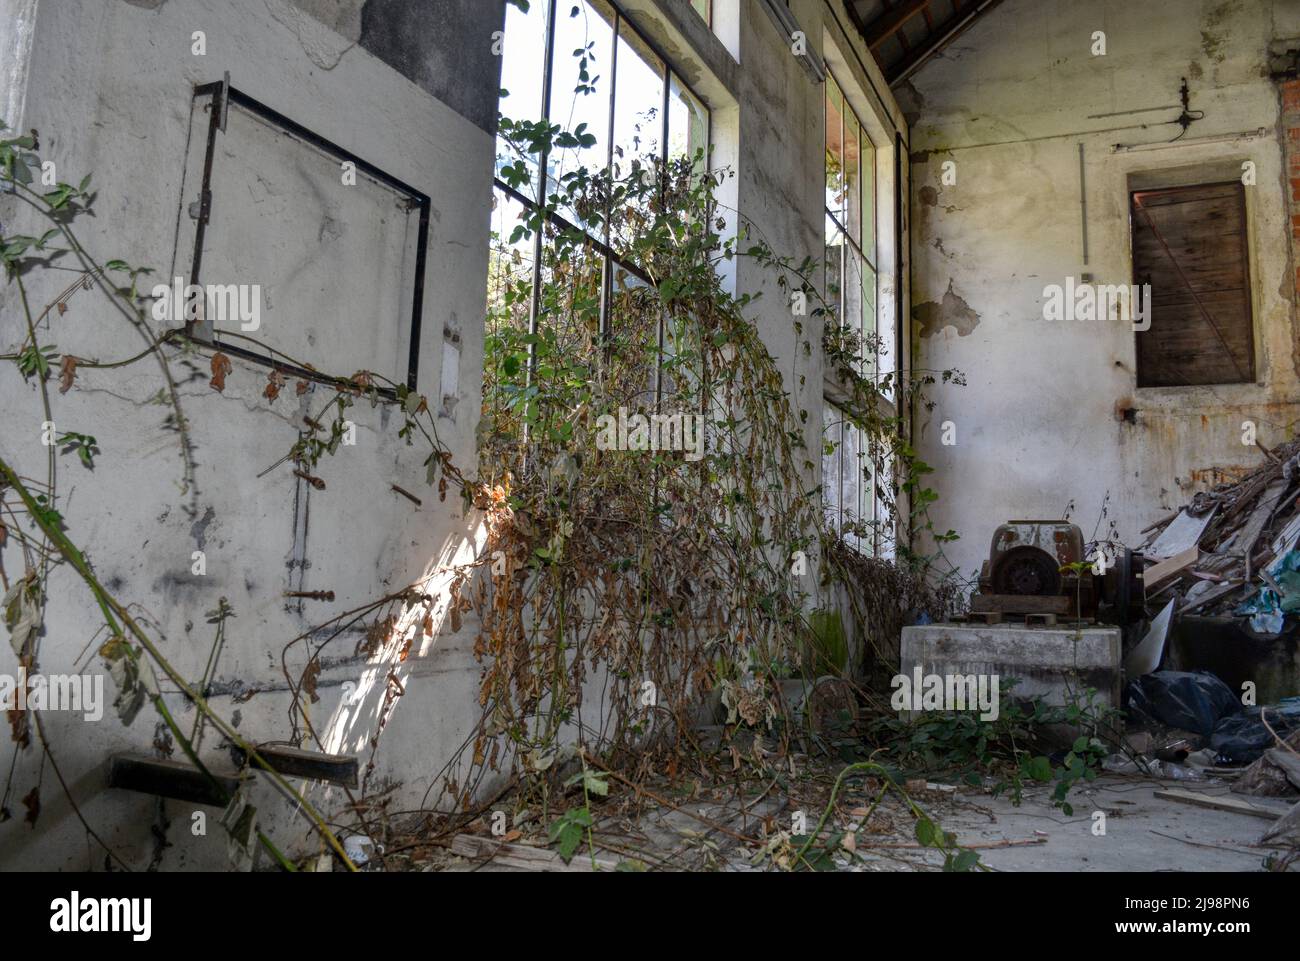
223	95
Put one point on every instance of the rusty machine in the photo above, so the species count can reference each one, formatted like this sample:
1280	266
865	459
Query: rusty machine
1040	570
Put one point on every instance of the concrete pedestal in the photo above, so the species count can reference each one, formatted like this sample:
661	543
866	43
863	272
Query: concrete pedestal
1049	662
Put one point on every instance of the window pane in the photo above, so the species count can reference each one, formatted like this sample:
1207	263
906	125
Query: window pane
580	80
854	317
866	286
688	124
834	281
852	219
702	8
850	475
834	148
868	198
831	423
522	72
884	519
638	109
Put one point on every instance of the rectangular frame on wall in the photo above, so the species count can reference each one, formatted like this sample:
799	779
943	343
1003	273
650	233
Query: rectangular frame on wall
222	96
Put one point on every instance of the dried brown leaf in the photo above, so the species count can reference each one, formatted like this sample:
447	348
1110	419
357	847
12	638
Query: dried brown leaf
274	383
221	366
67	372
309	678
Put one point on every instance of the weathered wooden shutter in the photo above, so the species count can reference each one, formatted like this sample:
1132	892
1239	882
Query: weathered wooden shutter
1189	244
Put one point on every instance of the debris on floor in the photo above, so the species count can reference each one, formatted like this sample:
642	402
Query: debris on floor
1232	550
1122	822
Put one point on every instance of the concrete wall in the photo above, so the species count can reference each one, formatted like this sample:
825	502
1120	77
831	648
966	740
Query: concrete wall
1042	420
110	88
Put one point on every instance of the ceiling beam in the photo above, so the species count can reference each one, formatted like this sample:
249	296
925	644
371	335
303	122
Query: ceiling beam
947	33
891	21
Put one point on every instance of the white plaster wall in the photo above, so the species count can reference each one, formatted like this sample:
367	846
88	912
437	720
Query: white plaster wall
110	89
1038	424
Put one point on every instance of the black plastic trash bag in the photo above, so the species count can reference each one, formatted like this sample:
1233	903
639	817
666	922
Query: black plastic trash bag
1243	738
1193	701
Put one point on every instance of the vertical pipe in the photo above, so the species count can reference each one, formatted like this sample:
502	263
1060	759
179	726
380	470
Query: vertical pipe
1083	204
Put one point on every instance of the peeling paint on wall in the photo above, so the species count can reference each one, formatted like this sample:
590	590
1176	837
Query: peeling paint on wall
953	311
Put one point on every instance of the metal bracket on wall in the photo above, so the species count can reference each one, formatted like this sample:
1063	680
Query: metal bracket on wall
223	100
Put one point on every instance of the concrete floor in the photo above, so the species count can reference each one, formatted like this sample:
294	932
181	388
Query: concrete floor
1143	832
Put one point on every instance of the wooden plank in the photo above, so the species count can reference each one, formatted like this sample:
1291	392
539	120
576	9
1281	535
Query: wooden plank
1021	603
1181	535
313	765
1224	803
1288	761
1209	597
169	779
523	857
1260	517
1170	566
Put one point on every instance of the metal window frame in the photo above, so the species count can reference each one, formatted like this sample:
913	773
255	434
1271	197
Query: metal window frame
849	242
223	95
870	544
864	511
601	244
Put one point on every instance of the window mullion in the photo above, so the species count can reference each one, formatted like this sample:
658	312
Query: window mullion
607	266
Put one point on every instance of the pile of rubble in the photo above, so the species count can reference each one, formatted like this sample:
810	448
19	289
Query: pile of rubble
1232	550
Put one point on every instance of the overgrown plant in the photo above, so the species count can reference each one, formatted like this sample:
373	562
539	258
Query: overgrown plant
1013	751
30	508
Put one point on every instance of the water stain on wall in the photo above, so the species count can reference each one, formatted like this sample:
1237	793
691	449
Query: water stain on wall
952	311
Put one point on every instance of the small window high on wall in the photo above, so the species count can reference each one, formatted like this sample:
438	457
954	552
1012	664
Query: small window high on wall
1189	244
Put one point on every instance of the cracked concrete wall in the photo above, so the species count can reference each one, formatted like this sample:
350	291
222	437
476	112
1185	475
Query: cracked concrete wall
1051	413
110	90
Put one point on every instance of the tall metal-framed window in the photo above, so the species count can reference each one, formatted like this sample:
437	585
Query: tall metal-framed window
584	64
850	468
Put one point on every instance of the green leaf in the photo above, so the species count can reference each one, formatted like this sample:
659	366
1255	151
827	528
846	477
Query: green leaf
966	861
926	833
1039	768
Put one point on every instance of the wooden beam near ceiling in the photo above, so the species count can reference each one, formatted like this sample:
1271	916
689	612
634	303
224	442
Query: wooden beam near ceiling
891	21
936	40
